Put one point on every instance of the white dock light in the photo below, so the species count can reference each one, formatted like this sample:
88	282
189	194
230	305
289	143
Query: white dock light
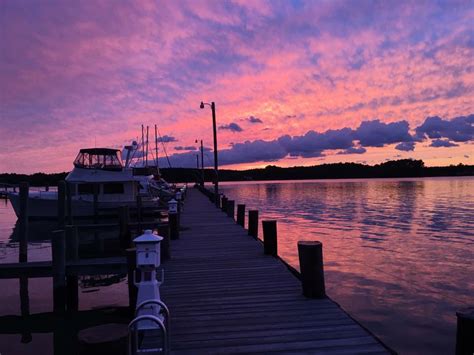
148	249
172	206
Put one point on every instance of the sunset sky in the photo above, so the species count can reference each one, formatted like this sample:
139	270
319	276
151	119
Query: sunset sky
294	82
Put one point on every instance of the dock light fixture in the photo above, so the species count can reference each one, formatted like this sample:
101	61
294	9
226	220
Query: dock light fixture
216	171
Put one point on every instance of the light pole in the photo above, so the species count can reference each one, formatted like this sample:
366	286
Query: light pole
216	171
202	163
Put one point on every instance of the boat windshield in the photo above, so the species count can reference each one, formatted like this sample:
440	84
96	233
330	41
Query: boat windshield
99	158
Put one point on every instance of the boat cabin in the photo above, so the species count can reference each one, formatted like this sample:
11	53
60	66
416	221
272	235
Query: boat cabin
100	171
99	158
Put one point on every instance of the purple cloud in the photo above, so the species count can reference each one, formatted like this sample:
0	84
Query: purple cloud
233	127
438	143
405	146
377	134
185	148
458	129
166	139
353	150
253	119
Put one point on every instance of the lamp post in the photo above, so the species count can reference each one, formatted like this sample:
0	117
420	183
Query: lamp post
216	184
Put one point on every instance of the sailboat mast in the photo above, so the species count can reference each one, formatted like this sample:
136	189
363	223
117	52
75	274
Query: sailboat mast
146	156
143	146
156	150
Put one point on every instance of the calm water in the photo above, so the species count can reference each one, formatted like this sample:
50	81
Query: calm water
398	253
39	290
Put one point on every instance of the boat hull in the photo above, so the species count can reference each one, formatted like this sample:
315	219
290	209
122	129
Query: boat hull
47	208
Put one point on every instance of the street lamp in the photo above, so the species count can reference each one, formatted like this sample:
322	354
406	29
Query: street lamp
202	163
216	185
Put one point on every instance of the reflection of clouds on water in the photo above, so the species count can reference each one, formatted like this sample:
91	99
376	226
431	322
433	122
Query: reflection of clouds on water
391	248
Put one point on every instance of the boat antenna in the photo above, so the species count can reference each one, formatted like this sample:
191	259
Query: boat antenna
156	151
164	149
146	156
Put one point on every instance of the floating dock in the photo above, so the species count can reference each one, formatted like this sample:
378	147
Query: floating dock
226	296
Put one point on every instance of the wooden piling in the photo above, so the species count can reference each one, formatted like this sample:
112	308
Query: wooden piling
465	331
164	231
58	245
311	268
241	215
23	222
61	204
72	281
253	223
174	227
132	289
230	209
270	244
224	203
125	234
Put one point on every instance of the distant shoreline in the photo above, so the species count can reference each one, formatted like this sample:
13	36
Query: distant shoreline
406	168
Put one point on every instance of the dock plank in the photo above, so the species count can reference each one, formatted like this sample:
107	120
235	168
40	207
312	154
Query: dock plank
226	296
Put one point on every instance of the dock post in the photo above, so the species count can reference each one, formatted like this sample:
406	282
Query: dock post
173	219
465	331
311	268
231	208
253	223
59	270
23	222
164	231
241	215
132	289
61	204
270	243
224	203
72	254
124	221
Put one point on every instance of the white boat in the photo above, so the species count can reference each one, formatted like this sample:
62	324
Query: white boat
95	168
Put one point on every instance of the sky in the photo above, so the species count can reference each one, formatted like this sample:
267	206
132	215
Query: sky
294	82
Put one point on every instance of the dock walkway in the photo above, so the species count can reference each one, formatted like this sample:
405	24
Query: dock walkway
226	296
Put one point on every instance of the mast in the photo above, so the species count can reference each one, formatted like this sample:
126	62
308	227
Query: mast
156	151
146	156
143	147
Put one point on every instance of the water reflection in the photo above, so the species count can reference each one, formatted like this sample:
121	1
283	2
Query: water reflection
398	253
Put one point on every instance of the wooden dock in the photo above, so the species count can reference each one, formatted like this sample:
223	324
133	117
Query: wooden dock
226	296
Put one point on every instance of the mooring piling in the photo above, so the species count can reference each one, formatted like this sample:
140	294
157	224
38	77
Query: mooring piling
311	269
270	246
61	204
253	223
58	246
241	215
230	209
173	219
164	231
465	331
224	203
72	254
125	234
23	222
132	289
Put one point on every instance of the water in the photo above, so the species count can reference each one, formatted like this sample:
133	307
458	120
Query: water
398	252
398	256
106	299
